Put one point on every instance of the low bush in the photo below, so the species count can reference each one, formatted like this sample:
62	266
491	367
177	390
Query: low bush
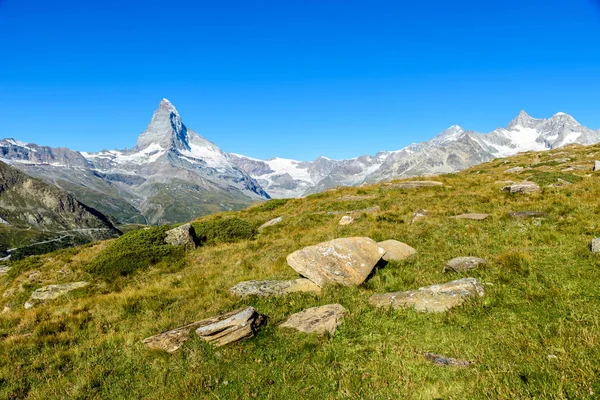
548	178
133	251
224	230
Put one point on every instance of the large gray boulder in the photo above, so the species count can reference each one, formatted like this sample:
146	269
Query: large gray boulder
51	292
522	187
462	264
396	251
183	235
346	261
220	330
274	287
434	298
318	320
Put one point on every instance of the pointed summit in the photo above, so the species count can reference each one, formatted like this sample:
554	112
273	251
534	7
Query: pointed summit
448	134
523	120
166	130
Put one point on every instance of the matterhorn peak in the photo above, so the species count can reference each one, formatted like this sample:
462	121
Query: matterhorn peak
165	129
165	104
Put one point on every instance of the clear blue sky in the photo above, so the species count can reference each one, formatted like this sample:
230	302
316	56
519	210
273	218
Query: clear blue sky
292	78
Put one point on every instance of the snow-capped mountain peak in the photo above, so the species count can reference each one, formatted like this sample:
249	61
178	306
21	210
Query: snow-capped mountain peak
165	129
449	134
523	120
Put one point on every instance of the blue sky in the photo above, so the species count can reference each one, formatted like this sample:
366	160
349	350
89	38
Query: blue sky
295	79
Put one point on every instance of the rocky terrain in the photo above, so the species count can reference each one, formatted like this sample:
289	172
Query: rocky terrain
478	284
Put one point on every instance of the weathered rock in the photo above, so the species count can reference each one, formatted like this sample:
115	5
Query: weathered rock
473	216
576	168
318	320
596	245
514	170
596	166
346	261
356	198
183	235
527	214
462	264
51	292
274	287
444	361
434	298
418	215
223	329
346	220
396	251
4	269
416	184
523	187
272	222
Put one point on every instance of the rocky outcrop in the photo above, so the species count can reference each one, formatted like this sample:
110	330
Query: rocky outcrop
51	292
514	170
274	287
434	298
396	251
183	235
346	220
596	166
472	216
522	187
462	264
220	330
319	320
346	261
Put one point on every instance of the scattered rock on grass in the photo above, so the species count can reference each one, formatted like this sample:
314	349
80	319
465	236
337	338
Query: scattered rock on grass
356	197
183	235
527	214
51	292
4	269
596	166
434	298
514	170
274	287
220	330
596	245
415	184
346	220
462	264
523	187
444	361
346	261
272	222
473	216
318	320
396	251
418	215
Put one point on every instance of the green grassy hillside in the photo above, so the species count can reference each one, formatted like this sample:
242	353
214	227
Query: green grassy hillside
535	334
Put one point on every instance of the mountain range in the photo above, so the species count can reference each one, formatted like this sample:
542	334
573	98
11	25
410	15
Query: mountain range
173	174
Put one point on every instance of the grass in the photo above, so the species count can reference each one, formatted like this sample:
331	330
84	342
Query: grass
536	333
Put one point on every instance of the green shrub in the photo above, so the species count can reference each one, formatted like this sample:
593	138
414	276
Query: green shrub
548	178
133	251
224	230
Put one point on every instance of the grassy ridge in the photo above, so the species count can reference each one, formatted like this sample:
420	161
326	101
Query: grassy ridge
542	299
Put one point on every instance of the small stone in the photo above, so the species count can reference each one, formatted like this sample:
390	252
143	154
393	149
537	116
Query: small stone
418	215
4	269
552	357
183	235
274	288
462	264
523	187
473	216
596	166
596	245
272	222
223	329
356	198
346	220
434	298
51	292
318	320
514	170
396	251
527	214
444	361
416	184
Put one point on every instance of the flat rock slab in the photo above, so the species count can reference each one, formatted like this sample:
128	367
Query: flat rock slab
183	235
272	222
444	361
346	220
462	264
514	170
596	166
473	216
434	298
396	251
4	269
576	168
318	320
416	184
51	292
418	215
527	214
274	287
220	330
595	245
345	261
523	187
